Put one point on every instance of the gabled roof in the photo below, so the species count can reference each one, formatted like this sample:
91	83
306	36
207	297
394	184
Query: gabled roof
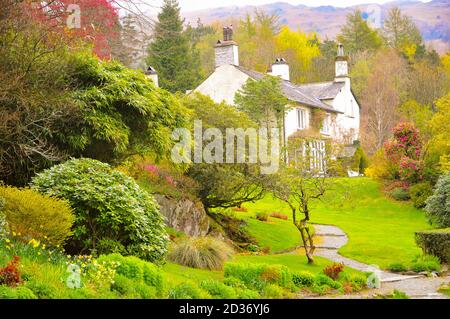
323	90
309	95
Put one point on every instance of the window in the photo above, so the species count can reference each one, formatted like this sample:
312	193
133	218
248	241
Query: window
301	119
311	156
326	125
352	109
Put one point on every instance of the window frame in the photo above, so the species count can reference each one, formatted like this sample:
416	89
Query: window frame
304	116
326	123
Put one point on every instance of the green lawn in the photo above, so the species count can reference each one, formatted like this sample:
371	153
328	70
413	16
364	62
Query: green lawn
380	230
177	274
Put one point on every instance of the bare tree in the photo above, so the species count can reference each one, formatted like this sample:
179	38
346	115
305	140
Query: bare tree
381	98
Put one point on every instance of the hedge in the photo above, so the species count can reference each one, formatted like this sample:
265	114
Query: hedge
435	242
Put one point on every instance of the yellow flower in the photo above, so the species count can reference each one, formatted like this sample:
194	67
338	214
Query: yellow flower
14	234
34	242
7	240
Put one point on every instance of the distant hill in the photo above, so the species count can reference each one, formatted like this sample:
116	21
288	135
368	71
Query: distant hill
432	18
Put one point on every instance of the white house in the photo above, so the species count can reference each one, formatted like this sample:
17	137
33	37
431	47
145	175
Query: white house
334	97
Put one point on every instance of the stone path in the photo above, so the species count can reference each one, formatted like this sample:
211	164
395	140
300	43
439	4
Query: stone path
332	238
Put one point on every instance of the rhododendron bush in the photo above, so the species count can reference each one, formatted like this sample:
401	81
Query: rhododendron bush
404	151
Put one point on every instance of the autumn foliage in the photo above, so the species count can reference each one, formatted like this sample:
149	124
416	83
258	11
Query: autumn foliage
333	270
10	275
95	22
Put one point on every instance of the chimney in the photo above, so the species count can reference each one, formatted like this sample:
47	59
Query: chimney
341	64
152	75
227	52
280	68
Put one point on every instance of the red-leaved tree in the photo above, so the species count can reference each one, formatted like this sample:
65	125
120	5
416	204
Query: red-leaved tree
91	21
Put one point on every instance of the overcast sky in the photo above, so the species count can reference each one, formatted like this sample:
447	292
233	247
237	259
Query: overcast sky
191	5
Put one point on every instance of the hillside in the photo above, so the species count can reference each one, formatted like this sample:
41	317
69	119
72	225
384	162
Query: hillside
432	18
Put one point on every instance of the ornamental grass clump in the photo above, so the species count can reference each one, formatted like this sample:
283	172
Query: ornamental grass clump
201	252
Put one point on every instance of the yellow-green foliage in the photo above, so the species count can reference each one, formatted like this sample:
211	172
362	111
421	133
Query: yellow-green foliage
203	252
379	167
298	48
136	272
31	215
439	146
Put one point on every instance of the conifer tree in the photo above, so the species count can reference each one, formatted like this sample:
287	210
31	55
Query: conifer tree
170	53
357	36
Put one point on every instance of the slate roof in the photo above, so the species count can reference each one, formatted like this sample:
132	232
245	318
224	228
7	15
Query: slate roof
306	94
323	90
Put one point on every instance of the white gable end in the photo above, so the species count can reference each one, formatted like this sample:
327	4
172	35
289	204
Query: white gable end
223	84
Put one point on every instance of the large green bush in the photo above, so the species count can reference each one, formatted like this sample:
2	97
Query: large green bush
435	242
30	215
438	205
108	206
121	111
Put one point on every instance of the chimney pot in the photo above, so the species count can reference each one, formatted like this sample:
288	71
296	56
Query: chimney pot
280	68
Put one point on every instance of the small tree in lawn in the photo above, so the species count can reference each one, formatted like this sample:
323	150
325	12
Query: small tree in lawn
301	182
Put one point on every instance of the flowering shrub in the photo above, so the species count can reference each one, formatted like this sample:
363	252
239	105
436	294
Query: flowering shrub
404	153
10	275
108	206
164	180
410	170
405	141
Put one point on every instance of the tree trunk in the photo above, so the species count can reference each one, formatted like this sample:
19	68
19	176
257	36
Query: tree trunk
307	239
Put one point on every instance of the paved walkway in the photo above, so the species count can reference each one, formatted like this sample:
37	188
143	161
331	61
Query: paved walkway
332	238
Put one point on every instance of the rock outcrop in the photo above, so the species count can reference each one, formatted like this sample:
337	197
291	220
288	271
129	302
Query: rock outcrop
184	215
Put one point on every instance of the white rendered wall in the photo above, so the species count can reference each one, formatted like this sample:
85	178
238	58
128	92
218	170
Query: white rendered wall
223	84
347	124
291	121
